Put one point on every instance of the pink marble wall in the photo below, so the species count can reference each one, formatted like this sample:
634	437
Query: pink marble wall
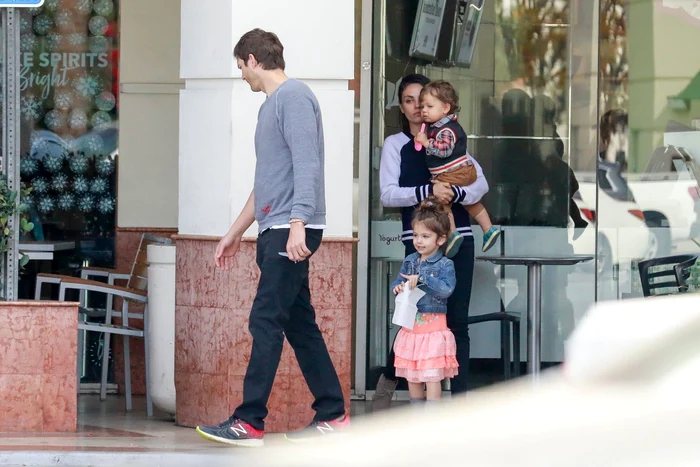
38	363
212	342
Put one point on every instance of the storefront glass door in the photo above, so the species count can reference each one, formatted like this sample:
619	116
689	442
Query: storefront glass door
526	72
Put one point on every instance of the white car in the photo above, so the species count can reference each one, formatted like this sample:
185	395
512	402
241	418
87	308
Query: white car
623	232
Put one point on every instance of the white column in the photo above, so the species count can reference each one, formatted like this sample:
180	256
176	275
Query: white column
218	111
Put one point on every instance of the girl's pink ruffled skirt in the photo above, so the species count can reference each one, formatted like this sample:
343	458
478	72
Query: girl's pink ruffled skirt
426	354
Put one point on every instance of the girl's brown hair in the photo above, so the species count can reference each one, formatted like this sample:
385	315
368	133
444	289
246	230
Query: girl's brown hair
445	92
432	214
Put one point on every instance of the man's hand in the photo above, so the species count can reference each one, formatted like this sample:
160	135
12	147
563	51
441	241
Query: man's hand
422	138
443	192
226	250
296	245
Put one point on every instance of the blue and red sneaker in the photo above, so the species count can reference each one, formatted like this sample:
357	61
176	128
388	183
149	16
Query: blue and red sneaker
318	430
233	431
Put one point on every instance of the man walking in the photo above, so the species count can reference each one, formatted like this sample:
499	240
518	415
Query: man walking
288	202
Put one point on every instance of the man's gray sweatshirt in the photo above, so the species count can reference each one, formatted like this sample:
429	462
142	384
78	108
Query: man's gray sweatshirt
289	181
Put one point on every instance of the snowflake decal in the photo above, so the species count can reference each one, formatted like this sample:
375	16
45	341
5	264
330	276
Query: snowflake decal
25	24
52	163
31	107
106	205
46	204
29	200
80	184
78	119
94	144
100	119
54	41
59	182
63	100
43	24
104	7
84	6
86	203
98	44
36	11
98	25
99	185
104	165
54	120
28	166
40	185
52	5
88	85
27	43
79	164
66	201
105	101
77	38
63	18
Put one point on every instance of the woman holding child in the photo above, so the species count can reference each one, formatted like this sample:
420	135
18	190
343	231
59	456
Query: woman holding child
405	182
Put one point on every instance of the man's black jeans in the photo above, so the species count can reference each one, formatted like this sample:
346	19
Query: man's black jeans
282	307
457	314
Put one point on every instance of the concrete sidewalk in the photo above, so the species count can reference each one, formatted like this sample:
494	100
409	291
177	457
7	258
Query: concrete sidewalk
109	437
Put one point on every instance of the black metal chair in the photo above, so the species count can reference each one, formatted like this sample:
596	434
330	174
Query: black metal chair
675	277
507	321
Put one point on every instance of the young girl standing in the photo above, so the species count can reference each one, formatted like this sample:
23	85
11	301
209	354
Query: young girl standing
426	354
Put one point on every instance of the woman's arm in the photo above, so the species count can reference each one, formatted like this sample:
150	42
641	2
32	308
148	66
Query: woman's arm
392	195
467	195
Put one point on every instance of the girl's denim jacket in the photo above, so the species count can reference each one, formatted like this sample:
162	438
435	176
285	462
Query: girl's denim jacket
436	277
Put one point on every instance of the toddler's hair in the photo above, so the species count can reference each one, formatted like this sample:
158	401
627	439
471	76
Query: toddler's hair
444	92
432	214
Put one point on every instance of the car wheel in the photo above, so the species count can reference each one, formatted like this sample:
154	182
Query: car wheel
660	241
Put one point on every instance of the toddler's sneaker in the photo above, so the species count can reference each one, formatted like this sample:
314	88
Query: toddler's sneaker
490	238
454	241
233	431
318	430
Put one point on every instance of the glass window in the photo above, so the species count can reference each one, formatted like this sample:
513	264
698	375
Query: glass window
69	83
526	74
650	138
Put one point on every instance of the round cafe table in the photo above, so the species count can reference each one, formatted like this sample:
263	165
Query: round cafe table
534	297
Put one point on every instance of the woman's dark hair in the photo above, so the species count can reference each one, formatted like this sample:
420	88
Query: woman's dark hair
406	81
433	215
613	121
445	92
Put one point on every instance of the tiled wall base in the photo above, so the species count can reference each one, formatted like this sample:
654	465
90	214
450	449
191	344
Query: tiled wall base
38	364
212	342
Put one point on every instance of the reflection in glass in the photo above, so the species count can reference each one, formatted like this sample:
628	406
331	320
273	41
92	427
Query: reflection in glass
69	115
528	99
649	141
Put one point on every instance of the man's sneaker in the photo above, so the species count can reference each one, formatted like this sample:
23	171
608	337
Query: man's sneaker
490	238
454	241
384	394
319	430
233	431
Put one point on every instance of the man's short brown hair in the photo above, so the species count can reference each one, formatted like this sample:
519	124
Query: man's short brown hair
445	92
264	46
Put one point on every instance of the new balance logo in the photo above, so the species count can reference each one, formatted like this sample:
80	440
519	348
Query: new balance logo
239	430
324	428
